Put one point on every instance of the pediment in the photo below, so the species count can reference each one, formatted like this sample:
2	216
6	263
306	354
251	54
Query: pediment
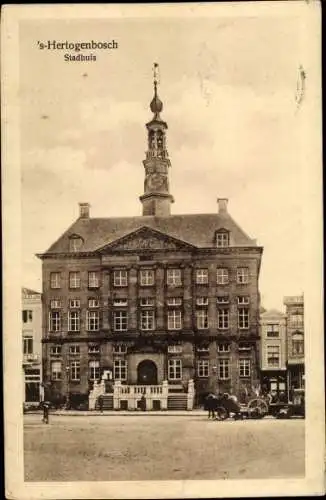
146	238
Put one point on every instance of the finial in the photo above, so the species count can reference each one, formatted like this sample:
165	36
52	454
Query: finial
156	105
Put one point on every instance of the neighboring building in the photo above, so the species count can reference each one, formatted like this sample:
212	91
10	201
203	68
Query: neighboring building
295	341
32	345
153	298
273	351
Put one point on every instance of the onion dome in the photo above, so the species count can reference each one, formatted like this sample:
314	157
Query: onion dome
156	104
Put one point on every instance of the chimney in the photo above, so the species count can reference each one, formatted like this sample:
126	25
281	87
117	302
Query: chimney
84	210
222	205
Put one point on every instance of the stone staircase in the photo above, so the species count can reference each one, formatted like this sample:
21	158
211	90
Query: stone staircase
177	401
107	402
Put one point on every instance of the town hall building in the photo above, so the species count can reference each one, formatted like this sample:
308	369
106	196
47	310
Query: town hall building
157	300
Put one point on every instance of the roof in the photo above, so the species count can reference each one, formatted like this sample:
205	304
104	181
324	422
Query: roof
196	229
272	313
28	291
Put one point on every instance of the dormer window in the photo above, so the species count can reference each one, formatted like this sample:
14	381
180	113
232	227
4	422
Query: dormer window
75	243
222	238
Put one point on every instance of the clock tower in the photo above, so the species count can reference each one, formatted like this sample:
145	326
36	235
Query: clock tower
156	199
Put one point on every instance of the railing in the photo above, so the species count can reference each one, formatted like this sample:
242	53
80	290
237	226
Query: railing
133	395
31	358
295	299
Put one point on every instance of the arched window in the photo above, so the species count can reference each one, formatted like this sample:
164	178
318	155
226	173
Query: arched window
75	243
222	238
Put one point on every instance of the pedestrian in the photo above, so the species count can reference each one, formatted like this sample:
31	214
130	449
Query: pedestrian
100	403
45	413
143	403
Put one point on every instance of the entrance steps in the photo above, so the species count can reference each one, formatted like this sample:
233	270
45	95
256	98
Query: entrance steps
107	402
177	401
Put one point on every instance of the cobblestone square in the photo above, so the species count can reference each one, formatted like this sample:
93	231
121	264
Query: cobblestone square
144	447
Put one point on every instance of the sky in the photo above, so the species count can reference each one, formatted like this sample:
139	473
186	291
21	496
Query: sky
229	89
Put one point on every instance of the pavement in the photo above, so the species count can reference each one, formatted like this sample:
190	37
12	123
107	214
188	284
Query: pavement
96	413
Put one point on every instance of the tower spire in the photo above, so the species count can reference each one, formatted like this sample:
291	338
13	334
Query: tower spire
156	199
156	104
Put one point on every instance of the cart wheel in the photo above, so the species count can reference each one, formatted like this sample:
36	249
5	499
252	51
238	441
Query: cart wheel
258	408
221	413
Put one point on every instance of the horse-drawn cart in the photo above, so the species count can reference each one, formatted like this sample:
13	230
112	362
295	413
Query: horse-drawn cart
226	406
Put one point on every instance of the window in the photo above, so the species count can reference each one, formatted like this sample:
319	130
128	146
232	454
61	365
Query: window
93	349
243	318
173	277
222	239
202	319
174	369
242	275
120	321
203	368
55	350
244	367
73	321
147	302
244	347
223	369
119	348
75	243
93	321
27	316
94	370
201	276
222	276
297	344
93	303
55	304
273	355
74	304
74	279
243	301
56	370
74	349
147	320
222	299
120	302
175	302
147	277
54	321
296	320
174	320
28	345
174	349
272	330
93	279
222	319
223	347
202	301
120	369
120	278
75	370
202	348
55	280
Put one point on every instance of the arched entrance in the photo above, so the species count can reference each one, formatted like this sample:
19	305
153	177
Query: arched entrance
147	373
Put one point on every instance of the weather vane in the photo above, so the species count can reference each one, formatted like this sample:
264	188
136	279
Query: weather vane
156	74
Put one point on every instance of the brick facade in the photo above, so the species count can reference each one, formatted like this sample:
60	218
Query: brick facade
196	332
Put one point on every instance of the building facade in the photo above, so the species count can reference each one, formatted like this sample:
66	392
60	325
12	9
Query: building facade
153	298
32	345
295	341
273	352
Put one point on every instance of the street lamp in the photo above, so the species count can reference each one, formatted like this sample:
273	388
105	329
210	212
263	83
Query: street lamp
68	388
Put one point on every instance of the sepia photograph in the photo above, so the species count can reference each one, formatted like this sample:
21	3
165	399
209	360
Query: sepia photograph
162	197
